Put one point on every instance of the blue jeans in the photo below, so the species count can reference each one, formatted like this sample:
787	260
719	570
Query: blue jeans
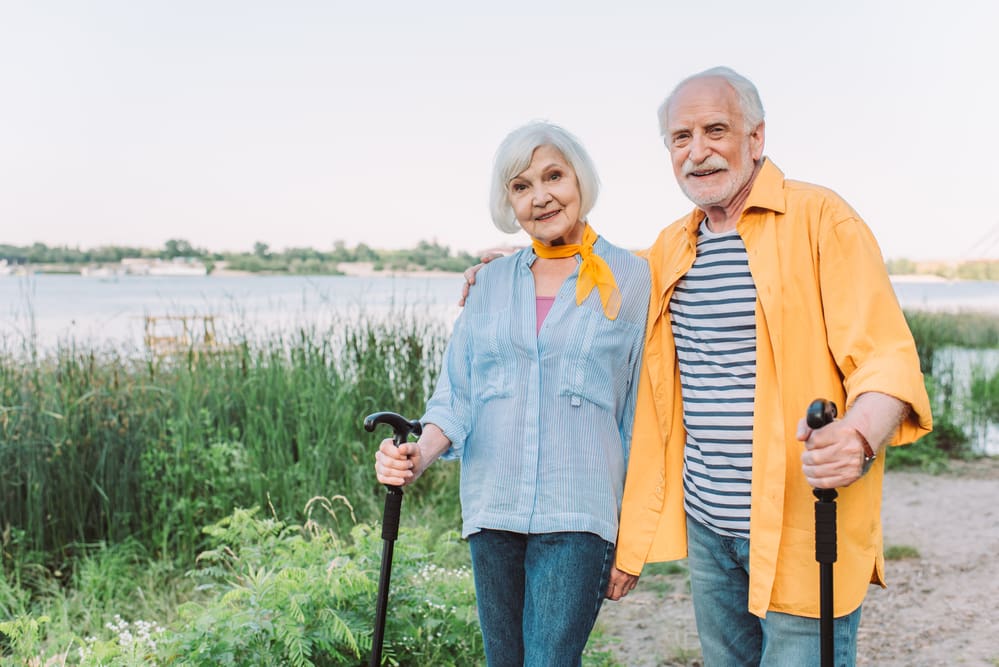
538	595
729	634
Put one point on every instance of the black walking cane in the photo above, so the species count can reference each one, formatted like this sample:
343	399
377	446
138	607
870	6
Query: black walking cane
390	524
820	413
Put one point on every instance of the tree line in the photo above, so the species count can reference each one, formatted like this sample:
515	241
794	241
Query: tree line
427	255
979	269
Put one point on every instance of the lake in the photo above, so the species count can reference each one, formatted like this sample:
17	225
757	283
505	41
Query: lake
112	311
63	307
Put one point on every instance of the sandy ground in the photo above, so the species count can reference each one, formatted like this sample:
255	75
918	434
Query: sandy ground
941	607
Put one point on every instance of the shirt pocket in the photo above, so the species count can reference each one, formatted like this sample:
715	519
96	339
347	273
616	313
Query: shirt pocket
596	367
491	361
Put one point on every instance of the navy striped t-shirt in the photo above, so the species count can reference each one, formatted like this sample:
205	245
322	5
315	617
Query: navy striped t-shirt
714	323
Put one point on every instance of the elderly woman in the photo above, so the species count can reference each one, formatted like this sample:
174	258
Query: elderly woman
536	399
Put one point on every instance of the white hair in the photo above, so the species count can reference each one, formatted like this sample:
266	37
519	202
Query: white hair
749	97
514	156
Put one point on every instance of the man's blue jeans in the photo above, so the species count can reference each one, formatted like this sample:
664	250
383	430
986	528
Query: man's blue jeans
538	595
729	634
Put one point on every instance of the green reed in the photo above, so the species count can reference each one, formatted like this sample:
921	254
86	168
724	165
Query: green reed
97	445
100	446
962	398
935	330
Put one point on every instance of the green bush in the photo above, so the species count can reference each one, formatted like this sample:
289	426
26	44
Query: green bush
270	592
300	595
946	441
282	596
931	452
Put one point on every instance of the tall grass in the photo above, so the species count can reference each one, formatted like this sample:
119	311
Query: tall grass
100	446
933	331
960	397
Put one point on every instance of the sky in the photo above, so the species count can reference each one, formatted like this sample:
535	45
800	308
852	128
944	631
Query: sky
306	122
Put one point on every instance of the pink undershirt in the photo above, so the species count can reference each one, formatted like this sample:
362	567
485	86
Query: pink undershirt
542	304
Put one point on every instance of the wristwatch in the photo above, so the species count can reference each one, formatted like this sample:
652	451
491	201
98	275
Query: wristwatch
869	454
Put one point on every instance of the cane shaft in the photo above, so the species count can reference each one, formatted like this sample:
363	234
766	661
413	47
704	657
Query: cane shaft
825	554
377	639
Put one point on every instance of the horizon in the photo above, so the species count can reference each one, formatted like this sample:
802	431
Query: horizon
298	125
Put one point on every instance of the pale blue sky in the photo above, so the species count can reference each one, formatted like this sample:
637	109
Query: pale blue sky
303	122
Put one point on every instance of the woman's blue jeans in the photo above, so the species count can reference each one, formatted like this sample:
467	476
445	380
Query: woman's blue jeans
729	634
538	595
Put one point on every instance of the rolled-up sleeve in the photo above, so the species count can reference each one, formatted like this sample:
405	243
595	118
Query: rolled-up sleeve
450	406
867	332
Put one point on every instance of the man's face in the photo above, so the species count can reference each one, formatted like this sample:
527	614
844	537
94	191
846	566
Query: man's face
713	154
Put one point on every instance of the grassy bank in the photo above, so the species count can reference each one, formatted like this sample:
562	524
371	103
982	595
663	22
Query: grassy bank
112	467
101	446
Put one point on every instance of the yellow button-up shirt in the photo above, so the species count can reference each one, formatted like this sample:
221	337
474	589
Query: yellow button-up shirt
828	326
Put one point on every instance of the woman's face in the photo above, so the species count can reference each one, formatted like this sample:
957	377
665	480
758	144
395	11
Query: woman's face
545	198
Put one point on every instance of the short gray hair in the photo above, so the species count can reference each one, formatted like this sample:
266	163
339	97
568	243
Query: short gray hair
514	156
749	97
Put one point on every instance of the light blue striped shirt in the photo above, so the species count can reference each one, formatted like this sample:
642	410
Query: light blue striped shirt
542	422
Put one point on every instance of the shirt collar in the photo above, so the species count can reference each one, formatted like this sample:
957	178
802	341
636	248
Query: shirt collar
768	189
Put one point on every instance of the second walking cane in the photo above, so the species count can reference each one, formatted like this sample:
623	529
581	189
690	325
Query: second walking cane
822	412
390	524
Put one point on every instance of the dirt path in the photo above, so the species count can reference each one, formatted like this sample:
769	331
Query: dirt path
940	608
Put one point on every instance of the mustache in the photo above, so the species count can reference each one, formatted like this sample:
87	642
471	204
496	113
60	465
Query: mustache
710	163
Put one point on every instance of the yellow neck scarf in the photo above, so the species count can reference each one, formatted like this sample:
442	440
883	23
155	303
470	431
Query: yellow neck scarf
593	271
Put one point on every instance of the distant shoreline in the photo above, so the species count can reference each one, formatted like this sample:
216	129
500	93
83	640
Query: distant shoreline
367	270
351	269
922	278
346	269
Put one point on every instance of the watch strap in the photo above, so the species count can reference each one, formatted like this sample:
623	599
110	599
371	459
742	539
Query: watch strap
869	454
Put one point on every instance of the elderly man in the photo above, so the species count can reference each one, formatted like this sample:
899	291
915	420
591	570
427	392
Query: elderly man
769	294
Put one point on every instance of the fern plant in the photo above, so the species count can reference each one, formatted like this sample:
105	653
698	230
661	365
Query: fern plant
23	634
288	595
